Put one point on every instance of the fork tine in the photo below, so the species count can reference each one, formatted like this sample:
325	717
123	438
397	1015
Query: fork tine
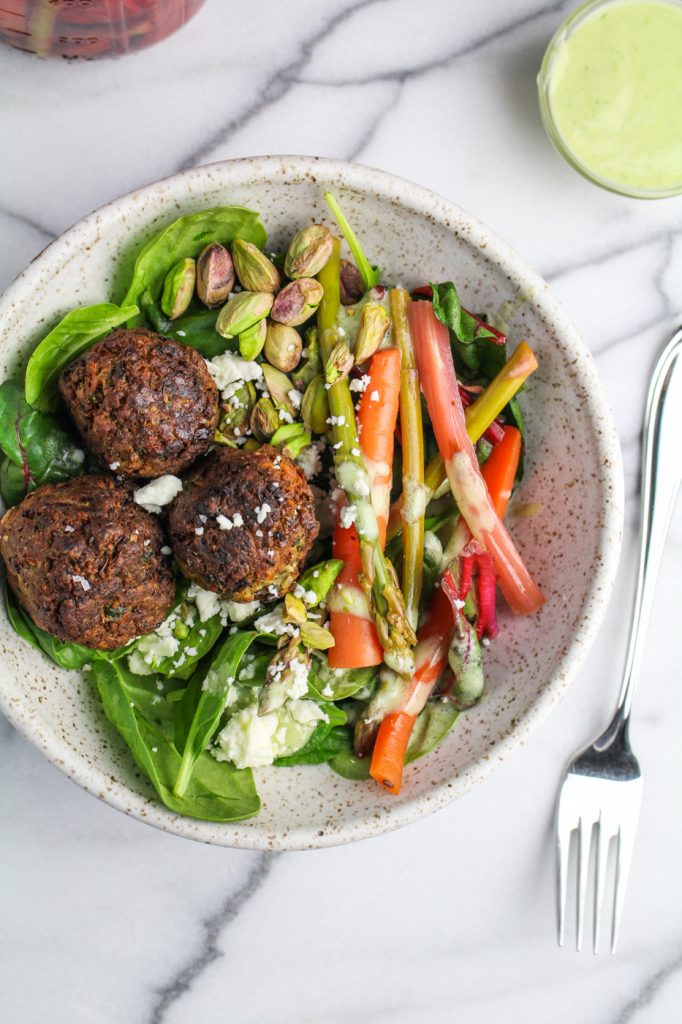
584	836
602	840
625	845
563	848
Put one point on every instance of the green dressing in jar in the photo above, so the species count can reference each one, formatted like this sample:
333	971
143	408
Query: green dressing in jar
611	94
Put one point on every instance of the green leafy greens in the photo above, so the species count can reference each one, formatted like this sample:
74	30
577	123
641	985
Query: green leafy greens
370	275
73	334
186	237
37	451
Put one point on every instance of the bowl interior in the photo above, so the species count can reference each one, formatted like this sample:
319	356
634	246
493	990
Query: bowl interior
572	487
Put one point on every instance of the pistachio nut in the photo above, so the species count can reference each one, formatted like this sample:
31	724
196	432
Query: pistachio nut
316	637
294	610
339	364
242	311
264	419
251	340
215	274
374	323
315	407
312	363
297	301
255	271
235	414
291	438
252	445
351	284
283	347
280	388
309	251
178	288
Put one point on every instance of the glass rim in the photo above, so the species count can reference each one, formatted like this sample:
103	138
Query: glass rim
543	82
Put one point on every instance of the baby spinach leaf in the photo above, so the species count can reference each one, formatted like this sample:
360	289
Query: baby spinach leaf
39	449
201	708
325	683
471	340
349	765
74	333
433	723
199	640
66	655
196	329
215	792
186	237
329	739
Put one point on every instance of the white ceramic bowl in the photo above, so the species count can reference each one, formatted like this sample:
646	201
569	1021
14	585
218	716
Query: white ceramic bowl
573	474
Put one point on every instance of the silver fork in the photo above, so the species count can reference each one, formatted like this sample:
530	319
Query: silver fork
602	788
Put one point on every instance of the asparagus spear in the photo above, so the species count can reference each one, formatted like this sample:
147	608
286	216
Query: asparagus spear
379	580
412	433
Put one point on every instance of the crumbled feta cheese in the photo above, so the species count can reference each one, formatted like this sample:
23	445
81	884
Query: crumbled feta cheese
262	512
237	519
295	397
165	550
359	383
199	531
374	396
285	416
85	584
310	462
69	529
339	444
157	493
224	523
250	740
113	466
336	421
238	611
348	515
229	368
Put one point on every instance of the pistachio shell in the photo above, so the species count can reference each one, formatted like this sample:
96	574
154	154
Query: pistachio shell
309	251
339	364
315	406
251	340
242	311
374	323
279	386
264	419
297	301
255	271
283	347
215	274
178	288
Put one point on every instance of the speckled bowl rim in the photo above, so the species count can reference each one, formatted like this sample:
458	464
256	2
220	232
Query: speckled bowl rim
427	204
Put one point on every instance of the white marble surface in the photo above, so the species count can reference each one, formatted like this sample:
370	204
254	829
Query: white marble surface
105	919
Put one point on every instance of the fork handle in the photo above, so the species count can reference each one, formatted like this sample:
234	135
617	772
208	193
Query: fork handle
661	475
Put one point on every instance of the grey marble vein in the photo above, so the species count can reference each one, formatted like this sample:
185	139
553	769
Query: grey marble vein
276	87
648	993
369	133
610	253
402	75
20	218
213	926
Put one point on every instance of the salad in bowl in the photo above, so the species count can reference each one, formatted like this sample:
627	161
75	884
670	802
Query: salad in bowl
260	504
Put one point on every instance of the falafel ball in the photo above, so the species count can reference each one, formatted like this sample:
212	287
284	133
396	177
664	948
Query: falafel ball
244	523
87	563
145	405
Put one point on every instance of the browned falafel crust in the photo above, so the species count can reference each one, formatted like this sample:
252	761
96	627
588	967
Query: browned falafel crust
145	405
86	563
261	558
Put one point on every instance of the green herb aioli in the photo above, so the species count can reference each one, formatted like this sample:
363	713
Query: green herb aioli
614	92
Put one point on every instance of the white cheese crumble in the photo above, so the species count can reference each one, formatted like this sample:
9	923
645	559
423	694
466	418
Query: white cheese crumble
229	368
374	396
113	466
157	493
262	512
69	529
295	397
85	584
359	383
250	740
348	515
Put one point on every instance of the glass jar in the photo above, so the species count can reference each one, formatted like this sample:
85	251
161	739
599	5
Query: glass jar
610	89
88	29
